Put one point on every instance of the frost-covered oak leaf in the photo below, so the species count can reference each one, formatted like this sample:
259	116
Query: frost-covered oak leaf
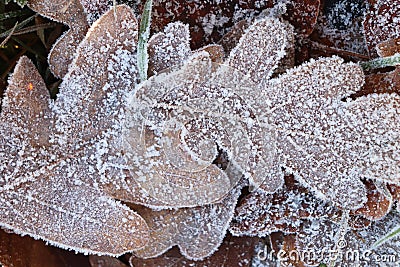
183	117
69	12
169	48
95	8
172	47
260	214
327	142
51	160
234	252
198	232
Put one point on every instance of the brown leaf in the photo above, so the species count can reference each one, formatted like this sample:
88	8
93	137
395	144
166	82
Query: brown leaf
172	47
377	206
105	261
169	48
232	37
198	232
48	183
388	48
381	23
17	251
215	51
234	252
303	14
68	12
261	214
388	82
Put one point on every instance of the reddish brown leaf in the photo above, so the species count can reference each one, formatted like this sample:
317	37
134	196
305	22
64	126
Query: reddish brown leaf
381	23
388	82
18	251
377	205
72	14
216	52
389	47
234	251
105	261
303	14
261	214
232	37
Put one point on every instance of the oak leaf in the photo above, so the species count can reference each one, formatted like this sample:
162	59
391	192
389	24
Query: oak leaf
70	13
48	156
198	231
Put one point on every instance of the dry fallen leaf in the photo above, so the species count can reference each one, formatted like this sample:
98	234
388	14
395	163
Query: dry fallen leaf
198	232
378	204
260	214
48	182
327	143
330	143
234	252
381	23
68	12
18	251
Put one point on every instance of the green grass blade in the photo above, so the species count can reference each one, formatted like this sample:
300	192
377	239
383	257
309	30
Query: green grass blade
144	33
395	232
19	26
13	14
381	62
